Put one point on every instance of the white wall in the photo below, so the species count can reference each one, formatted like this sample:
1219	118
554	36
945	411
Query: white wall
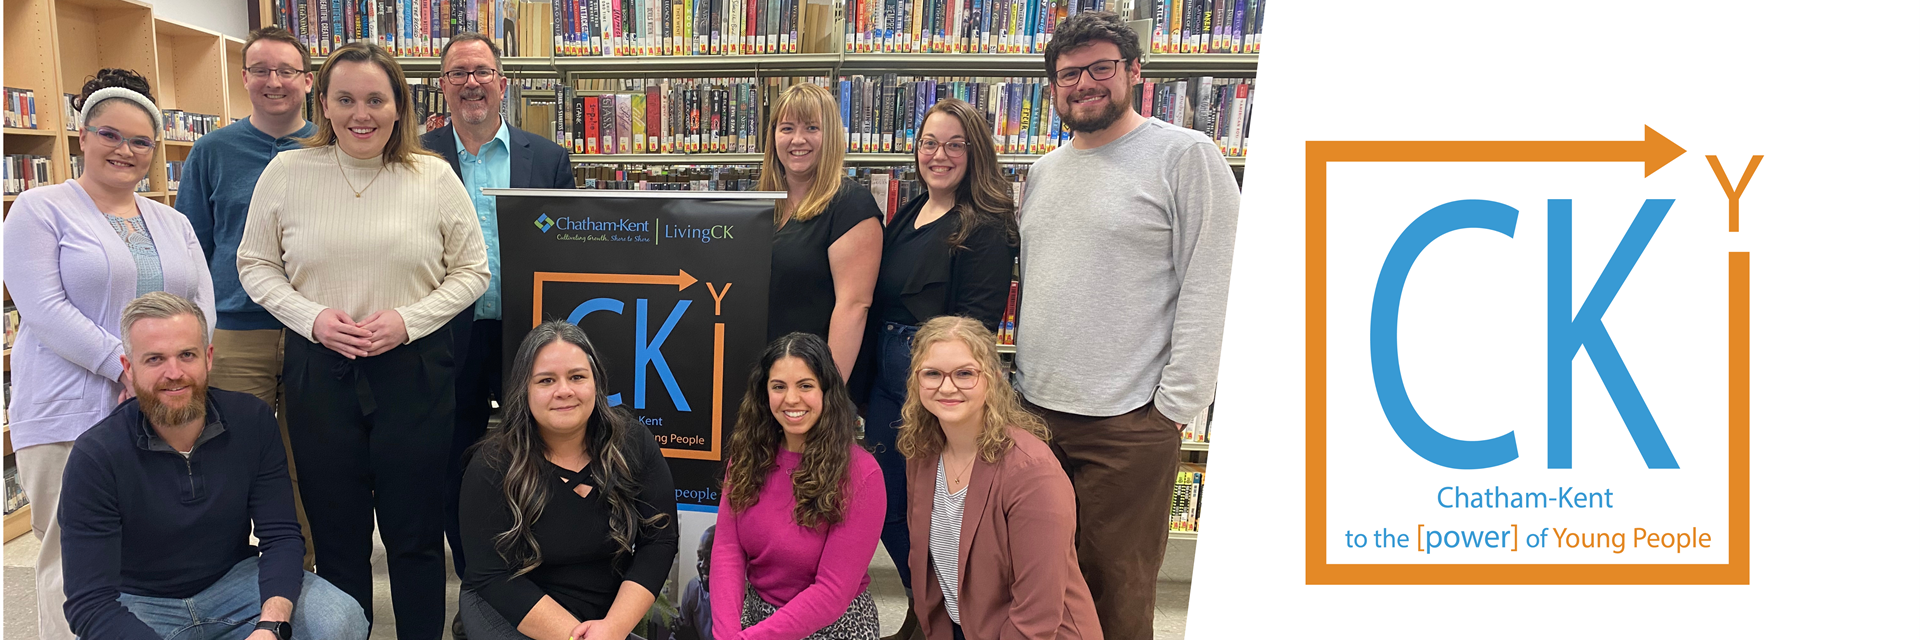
225	16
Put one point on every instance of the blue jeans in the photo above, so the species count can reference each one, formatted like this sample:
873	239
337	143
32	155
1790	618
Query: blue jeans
894	343
227	609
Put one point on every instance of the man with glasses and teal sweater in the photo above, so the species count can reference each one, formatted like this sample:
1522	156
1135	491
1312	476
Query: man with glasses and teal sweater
216	188
487	153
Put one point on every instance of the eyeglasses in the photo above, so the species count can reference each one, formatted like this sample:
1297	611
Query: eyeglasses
483	76
955	148
1101	70
285	73
112	136
963	379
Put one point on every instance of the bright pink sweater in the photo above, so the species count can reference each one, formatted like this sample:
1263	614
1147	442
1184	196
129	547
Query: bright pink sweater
812	575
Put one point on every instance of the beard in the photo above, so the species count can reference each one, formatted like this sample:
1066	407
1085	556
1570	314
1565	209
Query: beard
157	410
1116	107
471	116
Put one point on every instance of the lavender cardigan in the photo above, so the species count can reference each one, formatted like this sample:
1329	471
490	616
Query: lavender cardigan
71	275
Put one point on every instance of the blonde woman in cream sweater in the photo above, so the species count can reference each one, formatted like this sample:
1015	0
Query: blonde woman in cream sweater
365	245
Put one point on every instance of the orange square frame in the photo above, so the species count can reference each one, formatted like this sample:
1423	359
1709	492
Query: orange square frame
540	280
1318	571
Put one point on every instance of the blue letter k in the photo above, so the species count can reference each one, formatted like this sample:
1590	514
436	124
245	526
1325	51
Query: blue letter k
649	352
1564	337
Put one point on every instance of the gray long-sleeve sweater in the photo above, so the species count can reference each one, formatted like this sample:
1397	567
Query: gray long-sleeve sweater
1126	250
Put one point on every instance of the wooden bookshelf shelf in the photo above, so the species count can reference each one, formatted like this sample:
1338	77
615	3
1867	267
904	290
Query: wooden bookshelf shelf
35	133
19	522
238	106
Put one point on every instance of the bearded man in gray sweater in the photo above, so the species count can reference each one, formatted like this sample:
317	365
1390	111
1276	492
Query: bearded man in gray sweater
1126	245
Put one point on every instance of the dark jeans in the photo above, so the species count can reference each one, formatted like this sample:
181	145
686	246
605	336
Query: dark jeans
476	384
1122	469
370	437
894	343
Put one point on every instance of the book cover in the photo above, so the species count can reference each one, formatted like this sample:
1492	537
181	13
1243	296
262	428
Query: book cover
653	118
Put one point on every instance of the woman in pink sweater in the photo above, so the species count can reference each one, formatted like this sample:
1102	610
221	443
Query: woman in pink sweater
801	510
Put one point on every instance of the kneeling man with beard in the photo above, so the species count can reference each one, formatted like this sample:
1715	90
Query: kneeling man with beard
162	495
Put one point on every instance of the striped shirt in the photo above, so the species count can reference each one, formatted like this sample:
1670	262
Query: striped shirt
944	539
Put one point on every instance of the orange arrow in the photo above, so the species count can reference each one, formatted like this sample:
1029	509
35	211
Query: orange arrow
683	280
1654	151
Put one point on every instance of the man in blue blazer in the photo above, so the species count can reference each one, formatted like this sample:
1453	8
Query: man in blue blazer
486	153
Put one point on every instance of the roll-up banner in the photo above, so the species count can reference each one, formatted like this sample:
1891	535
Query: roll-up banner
672	289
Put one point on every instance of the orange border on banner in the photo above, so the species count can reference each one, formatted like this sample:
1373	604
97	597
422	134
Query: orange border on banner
1655	151
540	280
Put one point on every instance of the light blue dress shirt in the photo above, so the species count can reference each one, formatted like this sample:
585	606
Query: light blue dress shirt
491	169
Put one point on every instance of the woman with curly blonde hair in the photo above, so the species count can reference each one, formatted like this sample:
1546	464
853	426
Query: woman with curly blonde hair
989	510
801	508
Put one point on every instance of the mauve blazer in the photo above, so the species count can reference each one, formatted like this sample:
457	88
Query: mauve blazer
1019	574
71	276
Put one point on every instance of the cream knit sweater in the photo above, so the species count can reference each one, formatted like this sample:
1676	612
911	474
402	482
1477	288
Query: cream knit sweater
410	242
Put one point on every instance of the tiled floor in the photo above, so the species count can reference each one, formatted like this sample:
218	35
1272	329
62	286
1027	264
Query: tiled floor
1170	622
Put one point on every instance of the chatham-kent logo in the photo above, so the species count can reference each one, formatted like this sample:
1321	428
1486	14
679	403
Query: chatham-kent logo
544	223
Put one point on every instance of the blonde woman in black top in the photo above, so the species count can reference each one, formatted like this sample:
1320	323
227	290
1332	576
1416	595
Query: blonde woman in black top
826	246
949	252
567	508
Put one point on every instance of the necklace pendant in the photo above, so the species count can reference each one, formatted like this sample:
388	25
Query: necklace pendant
356	195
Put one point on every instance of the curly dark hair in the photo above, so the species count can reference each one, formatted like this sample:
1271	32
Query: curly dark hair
985	193
818	485
1088	27
112	77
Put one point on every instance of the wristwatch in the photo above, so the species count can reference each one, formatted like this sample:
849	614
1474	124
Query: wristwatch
281	630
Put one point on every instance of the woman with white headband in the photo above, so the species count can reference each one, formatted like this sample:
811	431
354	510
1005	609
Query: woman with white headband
76	253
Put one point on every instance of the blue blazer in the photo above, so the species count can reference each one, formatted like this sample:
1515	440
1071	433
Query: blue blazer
538	163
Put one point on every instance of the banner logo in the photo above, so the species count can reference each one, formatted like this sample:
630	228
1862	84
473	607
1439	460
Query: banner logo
543	223
1432	307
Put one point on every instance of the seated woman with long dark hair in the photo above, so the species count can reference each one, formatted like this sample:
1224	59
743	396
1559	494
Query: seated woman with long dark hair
800	513
567	509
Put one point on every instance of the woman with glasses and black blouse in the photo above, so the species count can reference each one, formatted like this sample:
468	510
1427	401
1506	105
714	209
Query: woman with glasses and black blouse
948	252
76	253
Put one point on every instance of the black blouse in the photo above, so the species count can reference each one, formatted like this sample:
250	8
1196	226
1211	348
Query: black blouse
578	566
923	277
801	296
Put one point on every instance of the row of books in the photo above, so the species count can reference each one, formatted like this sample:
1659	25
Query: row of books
1188	485
16	496
961	26
187	127
1008	322
1208	26
73	113
406	27
1222	108
21	172
645	177
22	111
175	169
881	113
661	115
560	28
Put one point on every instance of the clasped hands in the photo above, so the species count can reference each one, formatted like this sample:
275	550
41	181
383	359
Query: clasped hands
377	334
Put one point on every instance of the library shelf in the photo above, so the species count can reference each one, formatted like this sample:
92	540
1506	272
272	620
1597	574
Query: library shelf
13	131
1034	64
1183	535
859	159
19	522
1193	446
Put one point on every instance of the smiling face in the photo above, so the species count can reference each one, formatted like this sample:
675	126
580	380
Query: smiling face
169	360
560	393
793	392
1093	105
272	95
360	106
474	104
797	144
119	166
943	170
948	366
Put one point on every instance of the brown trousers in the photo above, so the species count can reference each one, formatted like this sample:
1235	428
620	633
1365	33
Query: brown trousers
249	362
1123	469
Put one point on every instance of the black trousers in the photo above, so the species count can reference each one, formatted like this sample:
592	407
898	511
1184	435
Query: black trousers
476	383
370	436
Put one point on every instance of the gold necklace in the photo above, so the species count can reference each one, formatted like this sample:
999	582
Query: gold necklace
343	174
959	476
